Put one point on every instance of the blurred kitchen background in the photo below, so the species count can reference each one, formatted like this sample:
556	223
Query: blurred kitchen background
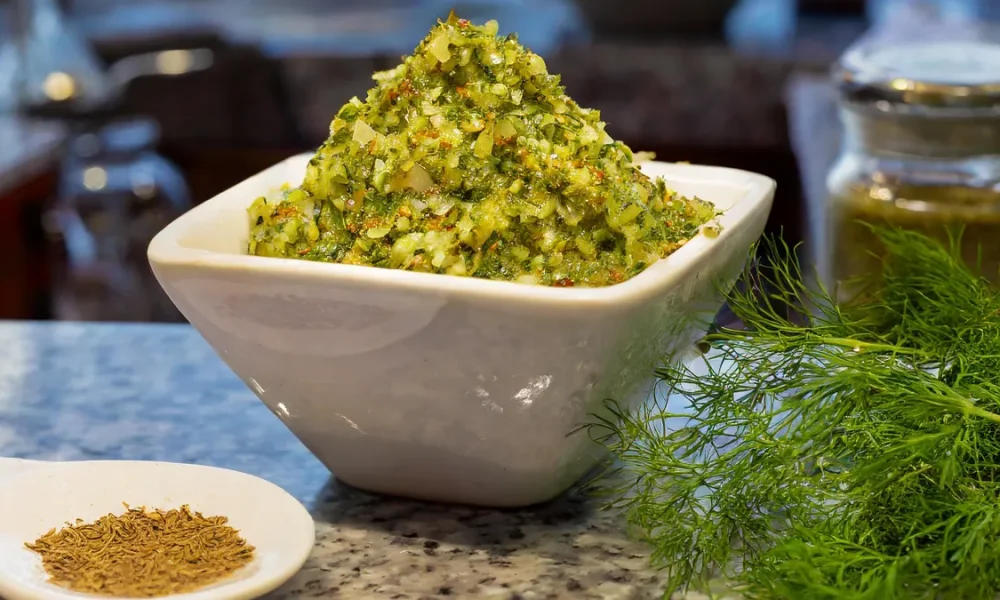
117	115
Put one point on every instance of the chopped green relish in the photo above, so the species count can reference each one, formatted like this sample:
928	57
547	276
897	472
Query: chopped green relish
469	159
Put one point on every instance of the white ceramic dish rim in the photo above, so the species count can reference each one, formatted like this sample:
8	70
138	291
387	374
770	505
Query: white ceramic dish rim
282	561
167	248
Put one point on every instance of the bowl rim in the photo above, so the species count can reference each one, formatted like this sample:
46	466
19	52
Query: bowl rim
166	249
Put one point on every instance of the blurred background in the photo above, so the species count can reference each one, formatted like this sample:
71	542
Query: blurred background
117	115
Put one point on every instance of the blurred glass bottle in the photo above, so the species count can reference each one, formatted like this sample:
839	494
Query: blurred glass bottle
116	193
45	60
921	147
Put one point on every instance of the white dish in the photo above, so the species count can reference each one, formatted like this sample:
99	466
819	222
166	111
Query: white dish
440	387
38	496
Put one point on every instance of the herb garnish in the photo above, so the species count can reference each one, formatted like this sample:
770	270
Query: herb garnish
469	159
853	453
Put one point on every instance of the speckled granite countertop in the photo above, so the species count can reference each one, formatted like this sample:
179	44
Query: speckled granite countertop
89	391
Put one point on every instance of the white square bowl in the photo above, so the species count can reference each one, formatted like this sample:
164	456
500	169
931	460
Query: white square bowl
440	387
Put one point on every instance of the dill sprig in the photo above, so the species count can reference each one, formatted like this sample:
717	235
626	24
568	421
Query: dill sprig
845	451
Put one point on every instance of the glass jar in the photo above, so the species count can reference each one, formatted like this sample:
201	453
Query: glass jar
921	150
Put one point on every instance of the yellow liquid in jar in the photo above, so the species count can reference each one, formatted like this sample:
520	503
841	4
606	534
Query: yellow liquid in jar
939	211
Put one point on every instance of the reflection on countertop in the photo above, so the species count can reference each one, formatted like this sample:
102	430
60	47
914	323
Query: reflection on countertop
100	391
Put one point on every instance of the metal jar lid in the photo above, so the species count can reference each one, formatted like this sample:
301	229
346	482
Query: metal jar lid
918	72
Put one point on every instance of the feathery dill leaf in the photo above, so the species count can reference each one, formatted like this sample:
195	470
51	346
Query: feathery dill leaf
850	454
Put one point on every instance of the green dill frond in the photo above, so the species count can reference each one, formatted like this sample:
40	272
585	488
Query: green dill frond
852	452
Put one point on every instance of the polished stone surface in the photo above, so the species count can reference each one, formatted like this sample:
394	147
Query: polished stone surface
89	391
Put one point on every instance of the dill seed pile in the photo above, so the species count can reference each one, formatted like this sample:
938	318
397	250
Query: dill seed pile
143	553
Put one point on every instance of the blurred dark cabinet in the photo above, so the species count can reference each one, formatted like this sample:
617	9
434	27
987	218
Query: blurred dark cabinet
840	7
26	259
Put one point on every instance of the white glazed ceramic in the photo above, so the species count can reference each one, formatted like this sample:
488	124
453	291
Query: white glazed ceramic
440	387
38	496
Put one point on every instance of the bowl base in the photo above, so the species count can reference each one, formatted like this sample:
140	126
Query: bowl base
419	472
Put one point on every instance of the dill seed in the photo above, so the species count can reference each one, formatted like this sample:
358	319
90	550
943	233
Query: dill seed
143	553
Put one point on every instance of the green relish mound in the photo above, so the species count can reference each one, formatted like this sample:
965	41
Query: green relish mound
469	159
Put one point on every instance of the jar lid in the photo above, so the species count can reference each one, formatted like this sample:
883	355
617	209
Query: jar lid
959	73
